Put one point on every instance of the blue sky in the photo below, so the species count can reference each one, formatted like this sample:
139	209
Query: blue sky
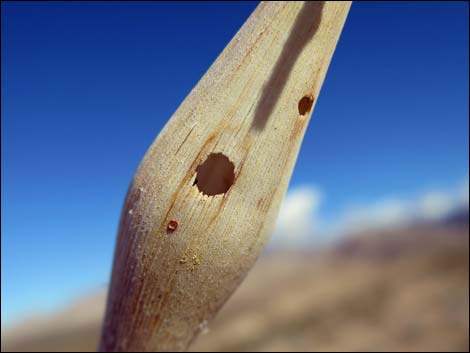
86	87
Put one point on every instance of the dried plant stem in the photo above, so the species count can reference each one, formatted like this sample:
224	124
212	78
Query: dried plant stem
204	199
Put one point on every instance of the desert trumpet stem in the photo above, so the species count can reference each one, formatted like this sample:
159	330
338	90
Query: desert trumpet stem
205	197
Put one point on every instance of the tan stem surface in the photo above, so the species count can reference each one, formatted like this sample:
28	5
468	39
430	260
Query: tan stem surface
180	254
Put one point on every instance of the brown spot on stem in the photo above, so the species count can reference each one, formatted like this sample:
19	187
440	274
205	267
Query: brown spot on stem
305	105
172	225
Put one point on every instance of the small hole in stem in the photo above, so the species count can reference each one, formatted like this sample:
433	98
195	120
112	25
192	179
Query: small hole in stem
305	105
172	225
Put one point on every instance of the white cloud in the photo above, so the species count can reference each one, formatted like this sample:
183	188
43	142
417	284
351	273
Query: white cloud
384	213
389	212
299	221
297	216
435	204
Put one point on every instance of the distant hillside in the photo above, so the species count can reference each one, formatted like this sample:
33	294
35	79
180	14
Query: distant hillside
394	290
458	218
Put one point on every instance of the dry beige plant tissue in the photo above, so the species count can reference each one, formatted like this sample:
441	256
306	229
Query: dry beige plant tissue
205	197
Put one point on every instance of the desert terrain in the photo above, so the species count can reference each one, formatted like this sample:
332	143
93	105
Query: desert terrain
401	290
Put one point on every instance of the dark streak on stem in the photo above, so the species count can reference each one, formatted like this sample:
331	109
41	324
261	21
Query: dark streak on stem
305	26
